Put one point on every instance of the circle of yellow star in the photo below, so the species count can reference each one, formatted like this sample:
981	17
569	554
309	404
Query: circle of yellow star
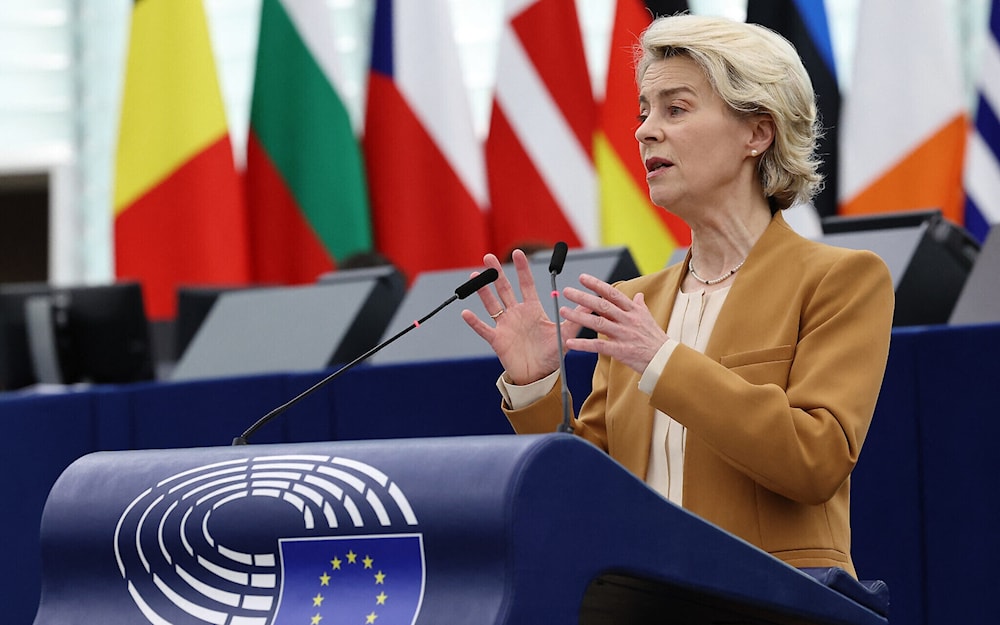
317	600
336	563
316	619
352	557
380	578
380	599
368	562
371	617
324	579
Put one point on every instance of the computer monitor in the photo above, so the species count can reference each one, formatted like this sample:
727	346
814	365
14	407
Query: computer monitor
92	334
15	358
880	221
388	291
447	337
293	328
194	303
928	257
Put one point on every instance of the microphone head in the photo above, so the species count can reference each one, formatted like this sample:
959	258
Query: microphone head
558	258
477	282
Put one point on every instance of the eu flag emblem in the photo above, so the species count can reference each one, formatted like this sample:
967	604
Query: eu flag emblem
375	579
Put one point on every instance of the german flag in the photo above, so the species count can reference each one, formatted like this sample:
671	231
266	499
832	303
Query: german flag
179	216
627	215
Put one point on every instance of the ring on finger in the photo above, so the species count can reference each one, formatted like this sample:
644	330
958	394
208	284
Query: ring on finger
499	312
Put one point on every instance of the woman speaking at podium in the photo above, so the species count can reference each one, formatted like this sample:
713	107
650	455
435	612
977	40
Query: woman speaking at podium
741	382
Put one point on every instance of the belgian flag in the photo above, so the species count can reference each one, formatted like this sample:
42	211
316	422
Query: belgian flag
179	215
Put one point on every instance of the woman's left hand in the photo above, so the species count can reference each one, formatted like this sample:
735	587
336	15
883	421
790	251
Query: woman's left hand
629	332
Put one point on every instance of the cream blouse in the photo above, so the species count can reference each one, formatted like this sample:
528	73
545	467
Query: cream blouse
691	324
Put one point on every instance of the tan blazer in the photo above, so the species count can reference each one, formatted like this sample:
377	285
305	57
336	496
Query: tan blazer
777	407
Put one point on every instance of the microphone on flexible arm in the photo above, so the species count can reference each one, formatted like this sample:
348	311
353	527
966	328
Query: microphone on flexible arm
466	289
555	268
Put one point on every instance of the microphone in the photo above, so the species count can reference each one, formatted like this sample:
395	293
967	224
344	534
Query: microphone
558	258
555	268
469	287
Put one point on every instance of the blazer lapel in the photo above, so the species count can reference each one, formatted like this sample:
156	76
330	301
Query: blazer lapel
745	316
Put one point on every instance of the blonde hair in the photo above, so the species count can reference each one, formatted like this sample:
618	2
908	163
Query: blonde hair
754	70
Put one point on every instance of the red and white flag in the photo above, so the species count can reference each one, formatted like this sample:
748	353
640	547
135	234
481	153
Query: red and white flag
539	152
426	176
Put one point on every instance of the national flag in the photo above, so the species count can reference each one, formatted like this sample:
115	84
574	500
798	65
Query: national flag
903	123
804	23
351	579
539	155
628	217
982	168
306	188
425	164
179	216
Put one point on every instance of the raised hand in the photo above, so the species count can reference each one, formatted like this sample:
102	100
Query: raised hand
629	332
520	332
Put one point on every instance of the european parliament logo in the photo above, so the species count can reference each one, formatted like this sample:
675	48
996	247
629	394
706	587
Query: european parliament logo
191	549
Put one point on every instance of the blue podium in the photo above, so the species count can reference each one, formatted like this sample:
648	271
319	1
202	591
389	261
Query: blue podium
477	530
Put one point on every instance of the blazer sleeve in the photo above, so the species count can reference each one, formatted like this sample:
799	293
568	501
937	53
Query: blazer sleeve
793	417
545	415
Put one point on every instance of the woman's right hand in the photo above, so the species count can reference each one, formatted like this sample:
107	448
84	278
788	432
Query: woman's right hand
523	337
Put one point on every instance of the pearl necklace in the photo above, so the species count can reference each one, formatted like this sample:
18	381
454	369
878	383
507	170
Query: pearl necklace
717	280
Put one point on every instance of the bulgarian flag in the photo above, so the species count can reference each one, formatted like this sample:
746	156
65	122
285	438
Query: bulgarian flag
628	217
306	188
178	210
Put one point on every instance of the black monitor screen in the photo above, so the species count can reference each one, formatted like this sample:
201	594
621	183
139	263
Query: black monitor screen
100	334
15	357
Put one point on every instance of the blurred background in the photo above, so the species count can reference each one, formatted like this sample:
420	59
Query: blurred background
201	149
62	70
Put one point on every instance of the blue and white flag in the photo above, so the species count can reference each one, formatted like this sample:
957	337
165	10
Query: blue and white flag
982	166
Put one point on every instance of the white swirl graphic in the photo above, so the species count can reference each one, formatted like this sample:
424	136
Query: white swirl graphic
190	552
